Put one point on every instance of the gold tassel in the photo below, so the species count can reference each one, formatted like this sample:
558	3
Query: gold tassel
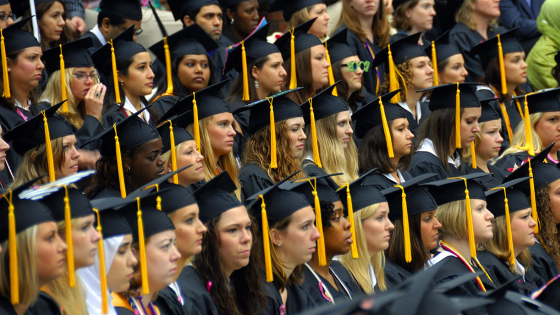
14	272
273	161
293	77
316	155
119	163
458	118
434	64
102	274
519	110
173	153
406	227
5	77
50	160
69	242
195	123
319	223
246	97
354	246
502	67
266	242
115	76
393	81
534	212
331	75
509	236
386	130
141	241
528	134
169	90
473	155
470	227
63	81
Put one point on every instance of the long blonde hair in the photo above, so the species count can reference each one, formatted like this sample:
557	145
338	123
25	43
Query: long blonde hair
334	158
519	140
34	163
359	268
453	219
300	17
466	14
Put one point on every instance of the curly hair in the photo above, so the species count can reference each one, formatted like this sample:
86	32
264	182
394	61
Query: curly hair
405	79
548	233
395	253
380	27
400	21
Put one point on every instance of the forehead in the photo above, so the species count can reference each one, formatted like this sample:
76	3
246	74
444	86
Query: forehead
210	9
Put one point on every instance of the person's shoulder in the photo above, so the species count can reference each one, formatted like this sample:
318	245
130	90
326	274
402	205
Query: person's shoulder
460	28
252	169
45	304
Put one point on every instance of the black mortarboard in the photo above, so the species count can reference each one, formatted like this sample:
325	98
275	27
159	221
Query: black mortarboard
302	41
517	200
543	172
444	96
542	101
216	197
453	189
324	105
549	293
305	187
79	204
401	50
3	2
180	134
339	48
128	9
415	195
154	220
75	54
289	7
369	116
124	48
488	50
31	133
228	3
259	116
443	48
192	40
514	303
361	196
112	222
180	8
487	110
17	39
256	47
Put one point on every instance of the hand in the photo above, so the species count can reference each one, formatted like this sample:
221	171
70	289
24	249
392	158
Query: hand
87	159
77	25
94	100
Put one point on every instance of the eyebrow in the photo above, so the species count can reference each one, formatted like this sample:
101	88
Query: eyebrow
170	240
125	244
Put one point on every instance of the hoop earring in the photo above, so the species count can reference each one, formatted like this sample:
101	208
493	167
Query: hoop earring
256	84
231	21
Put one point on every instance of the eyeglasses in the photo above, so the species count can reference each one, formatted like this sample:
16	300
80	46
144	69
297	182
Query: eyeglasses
83	76
136	32
5	17
353	66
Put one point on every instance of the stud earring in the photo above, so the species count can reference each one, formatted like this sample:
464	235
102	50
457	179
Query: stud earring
128	169
231	21
279	244
122	83
9	70
256	84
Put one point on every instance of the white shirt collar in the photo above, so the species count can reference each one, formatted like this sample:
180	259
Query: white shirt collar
145	115
18	104
372	275
428	146
390	177
98	34
418	110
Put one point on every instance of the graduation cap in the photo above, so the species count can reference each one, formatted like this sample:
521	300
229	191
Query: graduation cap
294	41
395	54
216	197
249	50
271	205
18	215
180	8
409	192
548	293
541	173
228	3
172	135
498	46
128	9
289	7
338	46
322	105
439	50
488	113
117	49
513	303
454	96
19	7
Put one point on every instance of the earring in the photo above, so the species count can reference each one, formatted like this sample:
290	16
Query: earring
231	21
122	83
9	70
128	169
256	84
279	244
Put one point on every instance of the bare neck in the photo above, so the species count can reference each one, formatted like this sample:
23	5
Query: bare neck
180	264
135	101
322	270
366	23
481	163
482	24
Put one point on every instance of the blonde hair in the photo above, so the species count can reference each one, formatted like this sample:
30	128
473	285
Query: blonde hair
465	15
519	140
27	262
300	17
359	268
34	163
453	219
334	157
52	94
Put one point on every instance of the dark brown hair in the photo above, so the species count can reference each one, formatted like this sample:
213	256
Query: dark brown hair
395	252
372	152
304	77
342	88
236	92
400	21
40	11
492	76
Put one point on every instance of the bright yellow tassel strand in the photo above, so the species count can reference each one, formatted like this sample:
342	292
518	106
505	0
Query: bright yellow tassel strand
315	143
273	157
102	272
528	134
266	242
434	64
14	272
63	81
246	97
386	130
195	123
502	67
50	160
173	153
293	77
473	155
141	242
406	227
534	212
115	77
69	242
393	81
331	75
169	90
458	118
119	163
5	77
319	223
354	246
472	244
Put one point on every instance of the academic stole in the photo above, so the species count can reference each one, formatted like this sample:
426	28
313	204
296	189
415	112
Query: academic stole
136	304
455	253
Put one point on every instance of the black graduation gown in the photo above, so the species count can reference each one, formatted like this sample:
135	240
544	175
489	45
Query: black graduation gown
502	273
413	125
311	286
6	308
253	179
108	193
116	114
163	104
197	299
395	274
402	34
298	300
490	181
381	182
543	264
426	162
44	305
453	268
507	162
347	278
96	42
168	303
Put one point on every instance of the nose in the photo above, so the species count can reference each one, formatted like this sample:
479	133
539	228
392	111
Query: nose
327	64
523	64
489	215
500	139
345	224
62	247
327	16
61	21
200	157
476	127
430	70
231	131
160	160
437	224
89	80
201	227
390	226
75	154
175	255
4	146
303	136
246	237
151	74
40	65
465	72
349	131
9	22
96	236
316	235
217	21
359	71
283	72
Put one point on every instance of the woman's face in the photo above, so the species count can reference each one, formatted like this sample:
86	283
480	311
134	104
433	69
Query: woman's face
554	195
376	229
187	155
548	129
297	136
52	23
352	78
516	68
246	18
469	125
189	230
344	128
482	221
490	140
401	137
71	155
148	163
454	71
319	67
122	267
51	253
321	25
422	73
221	132
80	88
487	8
5	10
161	257
236	239
271	75
365	7
194	72
4	146
522	230
84	241
429	227
338	237
26	72
140	79
297	243
421	16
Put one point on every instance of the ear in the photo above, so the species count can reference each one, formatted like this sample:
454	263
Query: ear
275	237
188	21
229	14
255	72
105	24
120	77
126	162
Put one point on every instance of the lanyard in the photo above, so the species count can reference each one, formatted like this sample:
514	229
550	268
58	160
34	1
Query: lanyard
455	253
323	288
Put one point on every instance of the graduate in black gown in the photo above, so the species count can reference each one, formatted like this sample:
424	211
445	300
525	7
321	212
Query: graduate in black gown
441	135
448	62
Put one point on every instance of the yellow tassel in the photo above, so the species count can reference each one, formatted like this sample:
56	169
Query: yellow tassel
50	160
319	223
406	227
173	153
246	97
376	85
293	77
502	67
510	238
69	242
331	75
506	120
115	76
473	155
519	110
354	246
273	161
102	274
119	163
169	90
195	123
63	81
470	227
316	155
141	241
458	118
386	130
534	212
393	81
528	134
434	64
266	242
5	76
14	272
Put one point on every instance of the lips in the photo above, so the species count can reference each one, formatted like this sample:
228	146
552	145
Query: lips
312	249
161	172
151	84
198	79
346	140
300	146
